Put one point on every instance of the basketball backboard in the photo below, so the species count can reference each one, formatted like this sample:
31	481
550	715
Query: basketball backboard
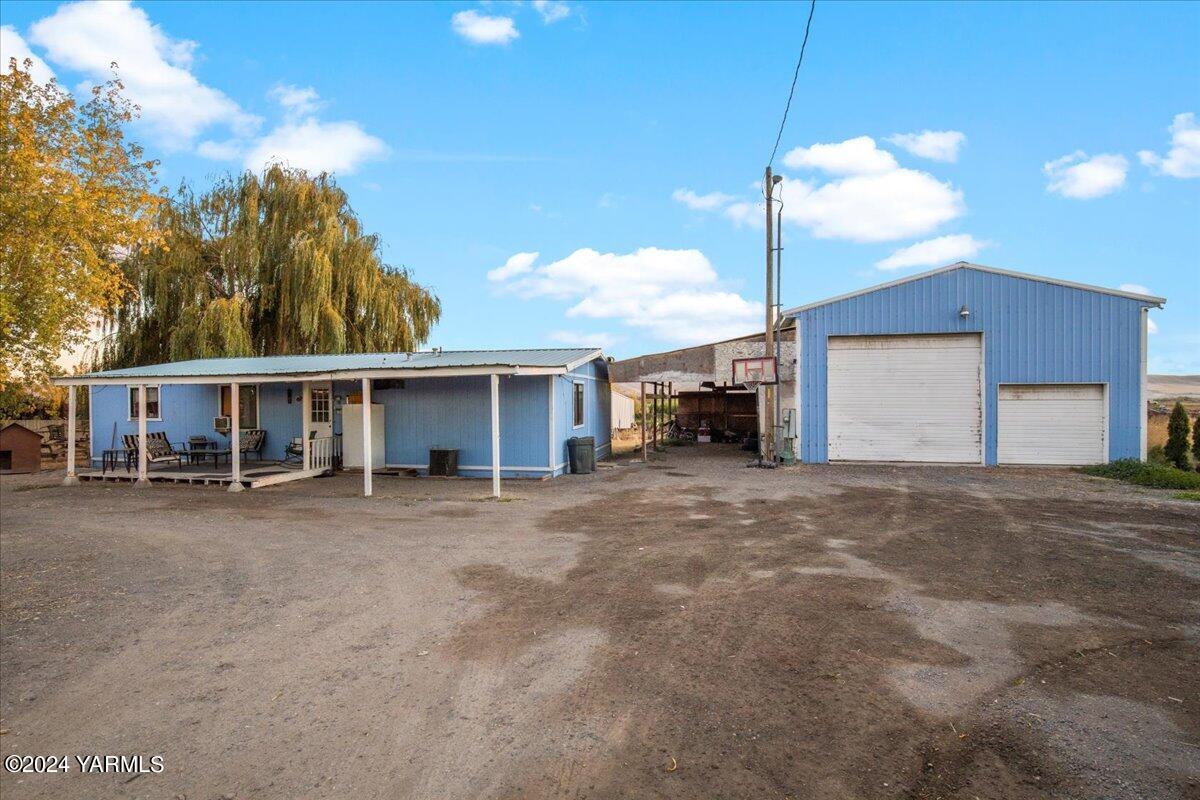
751	372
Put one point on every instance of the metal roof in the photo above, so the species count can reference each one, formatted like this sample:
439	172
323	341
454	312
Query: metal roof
1145	298
445	361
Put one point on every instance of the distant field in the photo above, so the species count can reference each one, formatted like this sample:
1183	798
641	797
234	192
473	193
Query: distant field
1164	386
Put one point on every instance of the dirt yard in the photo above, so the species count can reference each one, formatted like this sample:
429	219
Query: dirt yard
685	629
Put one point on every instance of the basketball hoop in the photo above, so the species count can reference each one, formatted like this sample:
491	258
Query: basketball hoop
753	372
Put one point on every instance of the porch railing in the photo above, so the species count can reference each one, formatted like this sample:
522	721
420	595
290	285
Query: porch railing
324	452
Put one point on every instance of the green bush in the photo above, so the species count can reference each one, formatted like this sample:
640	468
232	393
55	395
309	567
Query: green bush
1193	496
1196	443
1177	437
1141	473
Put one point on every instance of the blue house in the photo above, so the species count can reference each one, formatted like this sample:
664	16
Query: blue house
972	364
508	413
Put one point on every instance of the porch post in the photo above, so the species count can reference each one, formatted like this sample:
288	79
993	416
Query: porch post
235	439
306	412
70	480
495	435
368	456
142	480
551	435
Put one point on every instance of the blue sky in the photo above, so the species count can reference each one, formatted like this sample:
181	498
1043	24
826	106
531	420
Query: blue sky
621	144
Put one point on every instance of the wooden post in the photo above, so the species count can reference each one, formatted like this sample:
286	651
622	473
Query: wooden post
70	480
655	402
766	434
235	438
143	464
644	422
306	413
496	435
670	403
368	456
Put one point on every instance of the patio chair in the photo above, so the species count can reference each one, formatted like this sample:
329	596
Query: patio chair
252	441
294	452
158	449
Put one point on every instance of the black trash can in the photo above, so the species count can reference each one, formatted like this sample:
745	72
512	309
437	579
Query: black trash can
443	463
581	451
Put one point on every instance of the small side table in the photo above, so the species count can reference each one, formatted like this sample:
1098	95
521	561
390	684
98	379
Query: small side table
109	459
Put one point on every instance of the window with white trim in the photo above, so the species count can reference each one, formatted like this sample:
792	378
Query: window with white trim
153	407
247	404
577	403
322	405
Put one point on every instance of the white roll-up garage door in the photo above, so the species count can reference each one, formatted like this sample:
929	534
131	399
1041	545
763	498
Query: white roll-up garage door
1051	424
905	398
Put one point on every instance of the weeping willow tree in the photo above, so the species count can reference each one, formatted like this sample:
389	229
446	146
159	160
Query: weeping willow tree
275	264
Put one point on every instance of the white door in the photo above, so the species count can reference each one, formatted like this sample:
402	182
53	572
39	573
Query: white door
321	417
905	398
1051	424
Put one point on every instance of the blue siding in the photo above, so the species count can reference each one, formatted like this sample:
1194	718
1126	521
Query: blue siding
426	413
186	410
1033	332
456	413
597	401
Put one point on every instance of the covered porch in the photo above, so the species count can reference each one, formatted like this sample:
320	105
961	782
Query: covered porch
305	416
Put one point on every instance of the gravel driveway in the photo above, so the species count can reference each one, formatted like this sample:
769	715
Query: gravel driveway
688	628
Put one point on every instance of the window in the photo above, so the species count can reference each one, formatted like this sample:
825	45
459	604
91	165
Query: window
247	405
153	411
578	404
321	405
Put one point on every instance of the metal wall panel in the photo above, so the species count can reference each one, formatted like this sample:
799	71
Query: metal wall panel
1033	332
597	421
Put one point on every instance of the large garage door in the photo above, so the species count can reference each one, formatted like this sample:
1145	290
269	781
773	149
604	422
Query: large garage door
1051	424
905	398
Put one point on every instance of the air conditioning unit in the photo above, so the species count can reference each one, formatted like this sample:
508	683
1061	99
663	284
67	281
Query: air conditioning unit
221	424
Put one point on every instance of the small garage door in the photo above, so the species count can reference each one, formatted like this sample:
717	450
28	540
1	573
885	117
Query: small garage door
905	398
1051	424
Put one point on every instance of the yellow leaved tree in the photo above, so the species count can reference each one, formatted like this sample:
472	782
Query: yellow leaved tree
76	198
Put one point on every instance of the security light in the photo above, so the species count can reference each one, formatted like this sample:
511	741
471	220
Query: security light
964	312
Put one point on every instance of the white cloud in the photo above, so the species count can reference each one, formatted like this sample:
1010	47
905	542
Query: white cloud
934	252
673	294
299	100
1134	288
1075	175
1151	327
518	264
552	10
89	36
220	151
12	45
701	202
873	208
858	156
581	339
934	145
316	146
481	29
872	199
1183	159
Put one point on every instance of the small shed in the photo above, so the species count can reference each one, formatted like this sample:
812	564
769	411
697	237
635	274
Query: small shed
20	449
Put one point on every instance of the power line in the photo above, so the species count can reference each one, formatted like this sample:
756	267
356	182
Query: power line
795	75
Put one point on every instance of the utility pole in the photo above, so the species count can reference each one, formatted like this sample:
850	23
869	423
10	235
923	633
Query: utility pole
766	431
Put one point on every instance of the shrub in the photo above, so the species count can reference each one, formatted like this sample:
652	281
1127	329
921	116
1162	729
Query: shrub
1155	455
1141	473
1177	437
1196	443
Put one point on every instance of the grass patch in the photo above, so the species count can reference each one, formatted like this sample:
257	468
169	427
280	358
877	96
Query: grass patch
1193	496
1141	473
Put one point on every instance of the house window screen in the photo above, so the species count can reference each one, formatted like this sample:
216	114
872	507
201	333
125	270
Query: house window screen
578	404
322	405
152	406
247	405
